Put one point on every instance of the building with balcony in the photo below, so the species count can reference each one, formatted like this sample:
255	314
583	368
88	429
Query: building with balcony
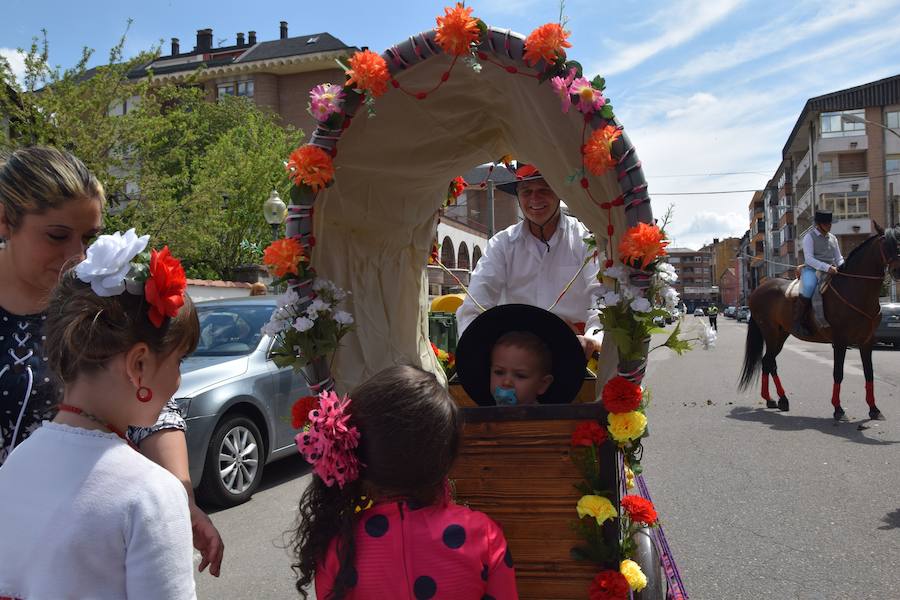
756	250
843	156
695	284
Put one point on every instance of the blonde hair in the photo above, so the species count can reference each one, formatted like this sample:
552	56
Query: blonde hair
258	289
85	330
36	179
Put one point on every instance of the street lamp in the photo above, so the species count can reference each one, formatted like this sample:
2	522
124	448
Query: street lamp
274	210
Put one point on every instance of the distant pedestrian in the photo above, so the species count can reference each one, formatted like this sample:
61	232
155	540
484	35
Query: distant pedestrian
713	313
378	517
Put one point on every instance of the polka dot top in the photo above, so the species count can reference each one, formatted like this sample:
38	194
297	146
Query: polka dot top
29	392
405	552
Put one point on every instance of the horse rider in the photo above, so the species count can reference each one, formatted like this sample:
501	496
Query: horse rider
822	254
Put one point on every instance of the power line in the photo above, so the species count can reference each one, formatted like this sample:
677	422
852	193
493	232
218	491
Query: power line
849	180
714	174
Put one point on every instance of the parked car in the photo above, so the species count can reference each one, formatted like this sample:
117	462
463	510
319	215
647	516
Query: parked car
742	314
730	311
698	312
235	400
888	331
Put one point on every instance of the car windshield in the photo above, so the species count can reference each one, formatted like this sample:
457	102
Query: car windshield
231	330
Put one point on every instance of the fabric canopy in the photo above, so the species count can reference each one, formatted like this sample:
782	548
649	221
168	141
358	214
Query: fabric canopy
374	226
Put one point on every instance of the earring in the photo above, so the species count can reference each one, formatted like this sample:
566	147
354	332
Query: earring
144	394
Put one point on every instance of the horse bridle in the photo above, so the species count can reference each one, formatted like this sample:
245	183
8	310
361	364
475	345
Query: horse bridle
888	238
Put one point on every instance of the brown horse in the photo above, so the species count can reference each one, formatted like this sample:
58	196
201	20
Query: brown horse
851	307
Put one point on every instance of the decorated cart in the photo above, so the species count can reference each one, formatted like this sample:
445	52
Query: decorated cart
563	480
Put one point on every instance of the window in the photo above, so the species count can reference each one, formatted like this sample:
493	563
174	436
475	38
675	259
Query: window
892	119
236	88
834	126
849	205
826	169
892	163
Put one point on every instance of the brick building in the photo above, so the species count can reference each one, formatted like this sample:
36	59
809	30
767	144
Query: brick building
695	282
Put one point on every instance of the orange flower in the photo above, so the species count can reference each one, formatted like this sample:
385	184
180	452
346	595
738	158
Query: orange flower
547	42
368	71
284	256
598	150
312	166
642	243
457	30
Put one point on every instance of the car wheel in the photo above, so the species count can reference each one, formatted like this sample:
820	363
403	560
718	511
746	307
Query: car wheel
234	461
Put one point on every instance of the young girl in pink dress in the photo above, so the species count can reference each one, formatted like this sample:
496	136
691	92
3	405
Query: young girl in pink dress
377	521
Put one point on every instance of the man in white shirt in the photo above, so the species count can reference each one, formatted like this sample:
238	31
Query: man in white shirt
821	254
531	262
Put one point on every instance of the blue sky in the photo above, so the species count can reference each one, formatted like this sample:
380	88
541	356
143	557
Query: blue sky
702	86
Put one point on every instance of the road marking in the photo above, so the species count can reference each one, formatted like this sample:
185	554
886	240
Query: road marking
828	362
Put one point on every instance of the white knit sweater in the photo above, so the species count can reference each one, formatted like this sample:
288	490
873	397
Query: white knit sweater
82	515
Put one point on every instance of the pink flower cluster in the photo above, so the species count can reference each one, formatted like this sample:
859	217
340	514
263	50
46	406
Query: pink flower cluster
329	444
325	100
587	99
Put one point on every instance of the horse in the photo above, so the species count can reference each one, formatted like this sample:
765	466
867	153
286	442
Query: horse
852	309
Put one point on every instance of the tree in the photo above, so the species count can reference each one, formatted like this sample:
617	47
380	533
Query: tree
191	173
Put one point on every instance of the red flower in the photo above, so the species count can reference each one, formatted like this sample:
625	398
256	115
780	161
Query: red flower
642	244
546	42
457	30
609	585
621	396
598	156
588	433
640	510
310	165
164	288
368	72
284	257
300	411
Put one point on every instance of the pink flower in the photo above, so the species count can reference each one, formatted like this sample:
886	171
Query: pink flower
330	444
589	99
325	100
561	89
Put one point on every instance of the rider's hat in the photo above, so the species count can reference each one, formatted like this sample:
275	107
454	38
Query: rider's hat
473	352
823	216
523	173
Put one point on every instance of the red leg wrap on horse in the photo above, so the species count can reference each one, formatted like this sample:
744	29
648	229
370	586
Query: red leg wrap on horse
870	393
836	395
778	387
765	387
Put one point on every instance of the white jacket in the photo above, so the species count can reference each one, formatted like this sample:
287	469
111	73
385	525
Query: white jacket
517	269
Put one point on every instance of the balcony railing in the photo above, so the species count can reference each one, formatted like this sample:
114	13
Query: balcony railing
801	168
804	201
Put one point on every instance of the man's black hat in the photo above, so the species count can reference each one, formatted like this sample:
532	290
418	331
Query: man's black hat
473	353
823	216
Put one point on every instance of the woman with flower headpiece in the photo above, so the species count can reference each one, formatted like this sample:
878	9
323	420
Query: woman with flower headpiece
51	206
534	261
85	514
377	521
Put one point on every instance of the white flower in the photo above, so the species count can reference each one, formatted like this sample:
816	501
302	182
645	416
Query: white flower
707	336
288	298
670	296
303	324
611	299
109	260
343	317
629	292
666	273
317	306
618	272
320	283
274	327
641	305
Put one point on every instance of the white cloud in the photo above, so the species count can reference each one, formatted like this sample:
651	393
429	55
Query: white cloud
16	62
777	35
678	23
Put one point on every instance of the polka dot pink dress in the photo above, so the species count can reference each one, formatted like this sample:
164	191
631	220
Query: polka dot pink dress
440	552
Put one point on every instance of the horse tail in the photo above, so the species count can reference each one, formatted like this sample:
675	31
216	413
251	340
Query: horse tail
753	352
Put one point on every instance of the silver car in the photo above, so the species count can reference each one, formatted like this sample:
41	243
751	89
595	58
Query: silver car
236	401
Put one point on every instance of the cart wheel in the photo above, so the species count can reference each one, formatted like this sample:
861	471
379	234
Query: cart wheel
647	557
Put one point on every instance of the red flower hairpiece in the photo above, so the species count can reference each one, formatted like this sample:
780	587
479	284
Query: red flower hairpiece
164	288
329	445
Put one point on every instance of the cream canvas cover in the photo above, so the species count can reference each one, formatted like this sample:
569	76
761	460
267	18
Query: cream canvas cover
374	226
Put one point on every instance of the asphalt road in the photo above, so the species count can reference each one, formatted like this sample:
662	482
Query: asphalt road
756	504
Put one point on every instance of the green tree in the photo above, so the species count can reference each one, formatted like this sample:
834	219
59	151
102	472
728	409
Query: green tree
201	169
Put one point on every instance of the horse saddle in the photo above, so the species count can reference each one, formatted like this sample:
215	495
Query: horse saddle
818	308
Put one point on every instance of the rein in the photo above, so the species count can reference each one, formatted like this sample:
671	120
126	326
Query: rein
885	262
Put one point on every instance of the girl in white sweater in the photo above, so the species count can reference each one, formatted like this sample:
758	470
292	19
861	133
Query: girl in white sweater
83	514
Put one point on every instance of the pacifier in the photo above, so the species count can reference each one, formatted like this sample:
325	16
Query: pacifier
505	396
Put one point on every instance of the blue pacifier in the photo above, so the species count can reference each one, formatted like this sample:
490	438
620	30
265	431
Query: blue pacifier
505	396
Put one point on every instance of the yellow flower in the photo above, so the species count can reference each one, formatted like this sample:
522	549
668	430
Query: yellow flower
628	426
632	572
596	506
629	478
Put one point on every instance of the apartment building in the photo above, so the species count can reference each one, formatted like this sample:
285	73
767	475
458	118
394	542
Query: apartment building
844	157
756	248
695	284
